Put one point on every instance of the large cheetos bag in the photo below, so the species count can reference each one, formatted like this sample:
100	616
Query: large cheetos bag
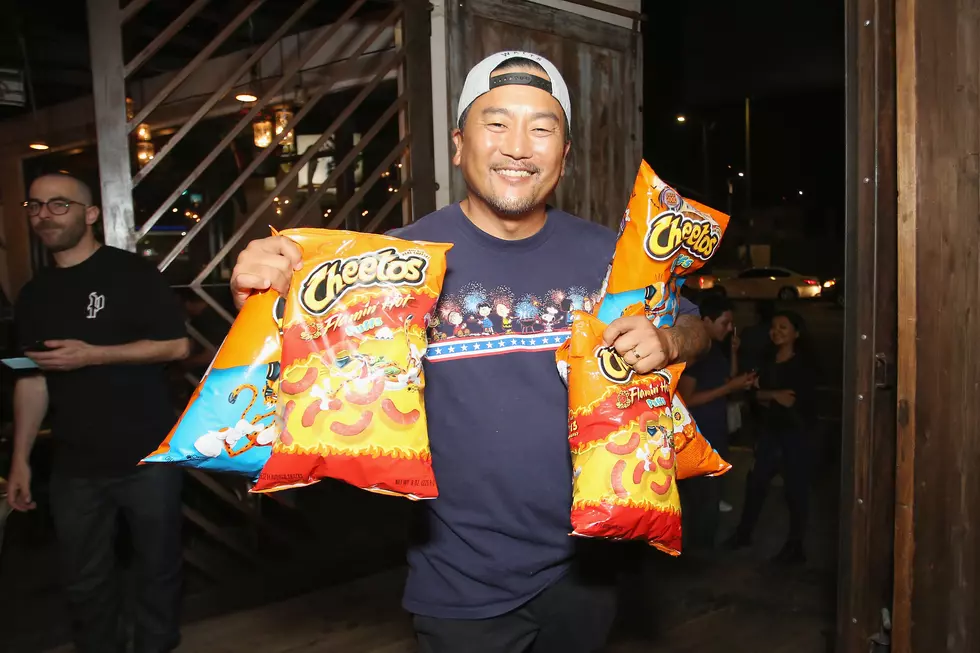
351	393
621	438
662	238
229	424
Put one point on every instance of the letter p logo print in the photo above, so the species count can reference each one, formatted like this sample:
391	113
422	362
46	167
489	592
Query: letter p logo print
96	303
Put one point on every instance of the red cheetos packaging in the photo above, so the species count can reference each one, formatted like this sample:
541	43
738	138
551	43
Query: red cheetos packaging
695	455
621	437
229	424
351	388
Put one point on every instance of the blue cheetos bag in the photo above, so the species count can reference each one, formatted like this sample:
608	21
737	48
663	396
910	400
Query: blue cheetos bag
230	423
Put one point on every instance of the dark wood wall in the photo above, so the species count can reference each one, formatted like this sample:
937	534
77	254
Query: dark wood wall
937	566
868	451
600	63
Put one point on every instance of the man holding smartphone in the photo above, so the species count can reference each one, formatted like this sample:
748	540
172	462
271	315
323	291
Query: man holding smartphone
100	324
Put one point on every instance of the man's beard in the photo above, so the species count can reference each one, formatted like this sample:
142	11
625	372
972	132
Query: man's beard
513	207
65	238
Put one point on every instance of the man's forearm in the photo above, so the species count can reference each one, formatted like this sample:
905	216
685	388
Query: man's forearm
143	351
30	407
688	338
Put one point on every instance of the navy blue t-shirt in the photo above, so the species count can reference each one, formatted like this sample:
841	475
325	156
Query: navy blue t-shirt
712	371
497	413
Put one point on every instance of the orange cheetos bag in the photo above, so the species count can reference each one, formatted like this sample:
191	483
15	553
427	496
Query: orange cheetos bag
662	238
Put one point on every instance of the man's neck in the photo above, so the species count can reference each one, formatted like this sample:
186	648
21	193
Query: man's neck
516	227
77	254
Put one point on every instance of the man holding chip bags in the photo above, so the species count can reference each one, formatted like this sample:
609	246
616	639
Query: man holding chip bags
493	568
99	324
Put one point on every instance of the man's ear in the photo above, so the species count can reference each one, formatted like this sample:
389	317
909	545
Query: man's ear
458	142
91	215
564	157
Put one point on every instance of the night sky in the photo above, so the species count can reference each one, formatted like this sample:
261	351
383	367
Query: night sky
704	57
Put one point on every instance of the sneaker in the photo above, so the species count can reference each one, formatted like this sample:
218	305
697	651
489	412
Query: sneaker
724	506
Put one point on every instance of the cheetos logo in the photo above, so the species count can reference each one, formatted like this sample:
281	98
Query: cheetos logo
612	365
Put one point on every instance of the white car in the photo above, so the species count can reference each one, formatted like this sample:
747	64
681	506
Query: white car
770	283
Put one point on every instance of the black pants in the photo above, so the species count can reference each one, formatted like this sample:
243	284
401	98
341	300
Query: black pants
571	616
700	497
786	452
86	512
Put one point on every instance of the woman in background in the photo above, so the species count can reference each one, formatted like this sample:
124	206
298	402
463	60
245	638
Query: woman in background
785	396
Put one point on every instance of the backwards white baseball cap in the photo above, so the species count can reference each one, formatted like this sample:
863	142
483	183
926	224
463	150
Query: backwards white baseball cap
478	81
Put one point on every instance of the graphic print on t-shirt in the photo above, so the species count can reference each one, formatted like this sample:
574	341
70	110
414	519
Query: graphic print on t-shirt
478	322
96	303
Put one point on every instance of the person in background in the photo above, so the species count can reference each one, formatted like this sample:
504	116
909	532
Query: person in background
491	567
100	325
785	395
755	339
706	387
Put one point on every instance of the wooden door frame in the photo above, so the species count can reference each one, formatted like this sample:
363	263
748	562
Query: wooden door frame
867	508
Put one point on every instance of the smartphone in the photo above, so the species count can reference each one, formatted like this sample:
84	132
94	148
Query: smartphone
19	363
38	345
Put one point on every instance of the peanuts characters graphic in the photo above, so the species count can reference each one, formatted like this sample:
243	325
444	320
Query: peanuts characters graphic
456	320
483	310
548	317
506	323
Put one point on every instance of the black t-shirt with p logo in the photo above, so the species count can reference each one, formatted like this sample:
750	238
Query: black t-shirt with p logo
104	418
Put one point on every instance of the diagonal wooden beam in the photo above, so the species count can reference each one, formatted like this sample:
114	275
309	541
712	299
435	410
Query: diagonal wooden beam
245	509
161	40
218	95
395	198
322	39
310	153
195	63
266	152
219	534
132	9
348	160
368	184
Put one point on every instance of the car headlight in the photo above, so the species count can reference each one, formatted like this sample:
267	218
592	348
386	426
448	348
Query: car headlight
829	283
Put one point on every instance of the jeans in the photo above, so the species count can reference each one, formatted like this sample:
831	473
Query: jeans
85	512
571	616
782	451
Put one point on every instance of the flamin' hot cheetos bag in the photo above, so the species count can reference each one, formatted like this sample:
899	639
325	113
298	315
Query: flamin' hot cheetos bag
664	237
621	440
351	388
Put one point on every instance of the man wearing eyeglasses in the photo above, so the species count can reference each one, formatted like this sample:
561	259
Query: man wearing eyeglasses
100	324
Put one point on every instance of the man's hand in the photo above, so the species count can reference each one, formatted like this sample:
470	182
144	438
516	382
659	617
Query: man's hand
266	263
643	346
19	487
65	355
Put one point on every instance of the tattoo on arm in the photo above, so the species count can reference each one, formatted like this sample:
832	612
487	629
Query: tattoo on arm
689	339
